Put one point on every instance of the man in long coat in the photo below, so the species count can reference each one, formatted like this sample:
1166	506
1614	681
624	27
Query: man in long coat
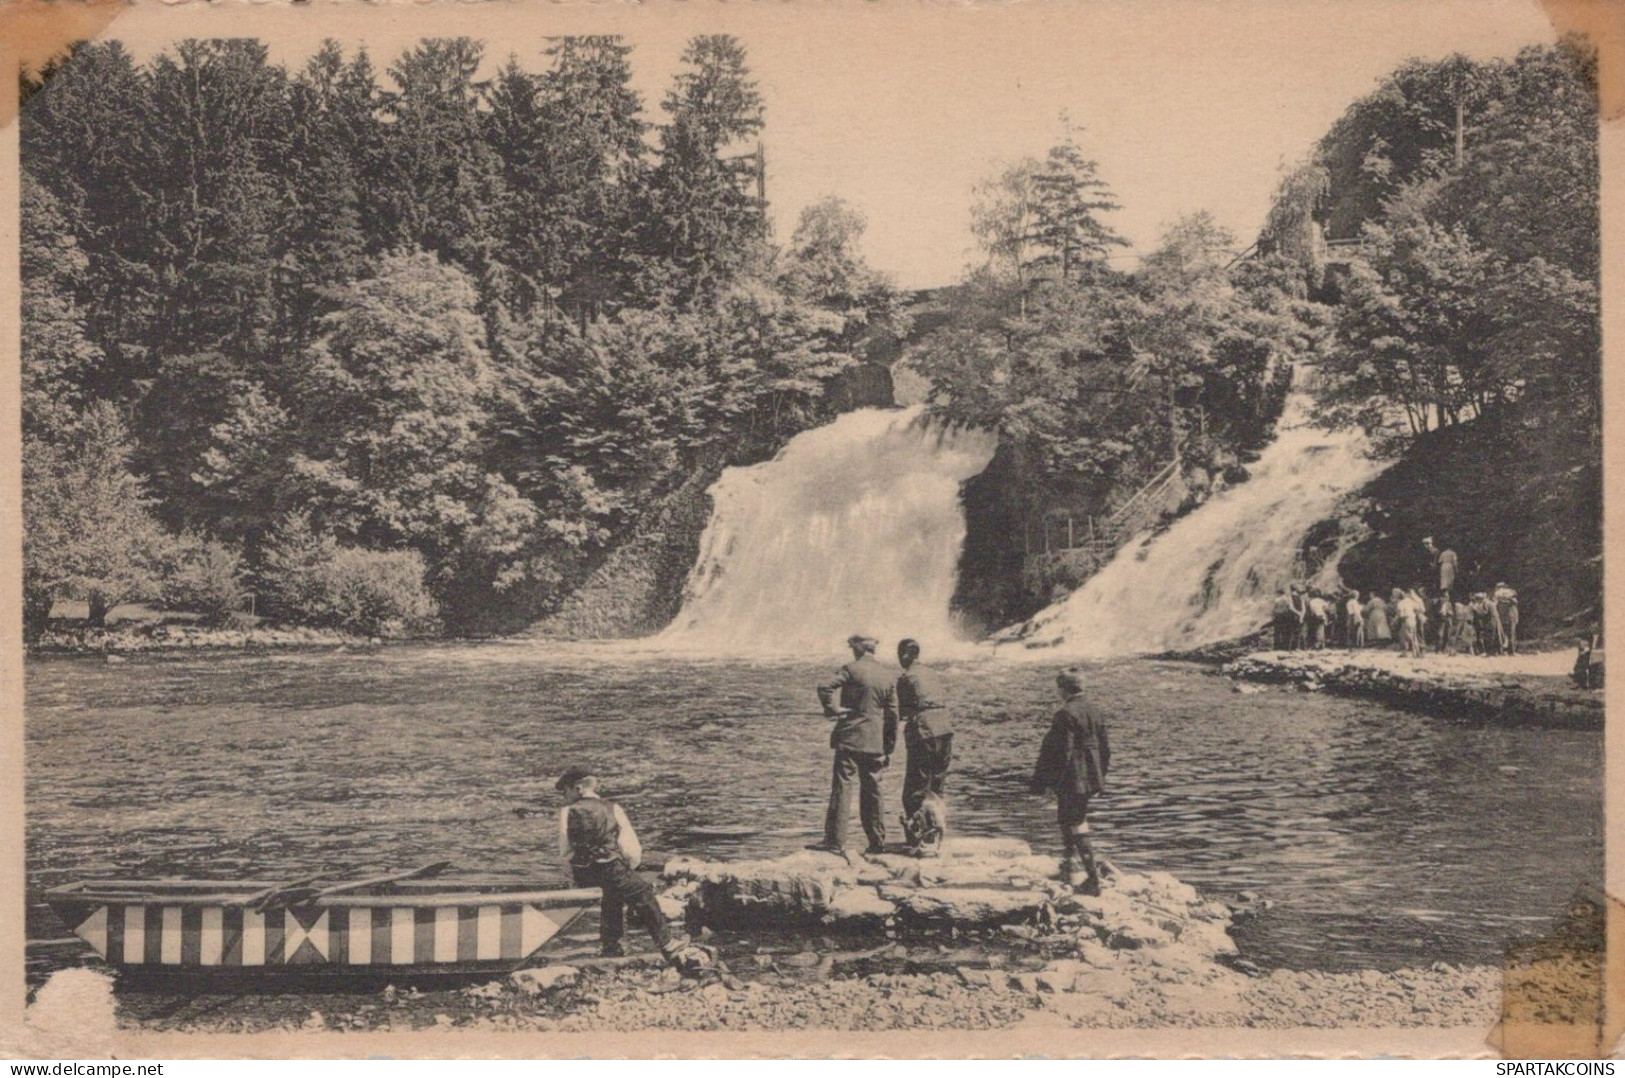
1073	762
862	700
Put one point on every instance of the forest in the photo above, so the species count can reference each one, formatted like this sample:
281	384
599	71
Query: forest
1432	263
1466	334
405	351
414	351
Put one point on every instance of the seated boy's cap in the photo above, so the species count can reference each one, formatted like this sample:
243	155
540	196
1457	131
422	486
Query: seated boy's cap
572	775
858	640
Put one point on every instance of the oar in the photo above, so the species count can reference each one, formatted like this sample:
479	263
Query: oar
426	872
262	898
302	892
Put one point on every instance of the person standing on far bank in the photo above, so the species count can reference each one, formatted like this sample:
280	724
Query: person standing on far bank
864	737
1072	762
926	732
1284	620
1506	612
1446	561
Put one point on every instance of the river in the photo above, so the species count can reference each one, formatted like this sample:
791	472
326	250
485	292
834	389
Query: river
1380	838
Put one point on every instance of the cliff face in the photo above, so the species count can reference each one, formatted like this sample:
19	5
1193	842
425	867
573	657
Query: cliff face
1517	494
639	587
990	593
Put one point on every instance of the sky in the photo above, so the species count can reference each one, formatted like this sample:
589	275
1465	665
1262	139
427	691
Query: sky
901	107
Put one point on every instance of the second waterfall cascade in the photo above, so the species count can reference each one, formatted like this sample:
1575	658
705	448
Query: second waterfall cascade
1213	574
854	526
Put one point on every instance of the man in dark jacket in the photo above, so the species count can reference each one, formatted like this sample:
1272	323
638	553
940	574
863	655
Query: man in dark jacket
926	731
863	702
1073	763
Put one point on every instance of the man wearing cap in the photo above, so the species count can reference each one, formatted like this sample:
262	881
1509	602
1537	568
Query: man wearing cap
597	841
863	702
1072	762
926	731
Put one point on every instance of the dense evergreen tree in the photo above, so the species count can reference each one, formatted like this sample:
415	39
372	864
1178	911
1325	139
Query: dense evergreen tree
336	212
703	215
60	365
80	134
440	178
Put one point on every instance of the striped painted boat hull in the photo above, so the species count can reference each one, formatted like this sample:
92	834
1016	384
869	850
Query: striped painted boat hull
344	934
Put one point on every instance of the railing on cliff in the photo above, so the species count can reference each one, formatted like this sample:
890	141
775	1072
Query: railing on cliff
1103	536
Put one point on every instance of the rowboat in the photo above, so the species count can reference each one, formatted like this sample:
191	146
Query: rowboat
389	924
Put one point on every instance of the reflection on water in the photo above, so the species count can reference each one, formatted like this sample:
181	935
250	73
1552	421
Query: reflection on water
1383	838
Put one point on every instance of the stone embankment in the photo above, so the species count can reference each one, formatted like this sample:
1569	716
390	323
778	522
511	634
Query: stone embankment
982	938
1516	689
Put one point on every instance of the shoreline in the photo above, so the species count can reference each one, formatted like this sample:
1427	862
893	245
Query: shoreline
1529	689
147	638
982	938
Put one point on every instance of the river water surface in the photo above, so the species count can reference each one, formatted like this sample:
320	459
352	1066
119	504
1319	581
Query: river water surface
1381	838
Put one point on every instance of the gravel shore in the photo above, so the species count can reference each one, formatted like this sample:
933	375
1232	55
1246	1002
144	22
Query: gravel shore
781	996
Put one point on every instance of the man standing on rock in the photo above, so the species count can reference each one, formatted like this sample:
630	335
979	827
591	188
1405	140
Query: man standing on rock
1073	762
863	739
926	731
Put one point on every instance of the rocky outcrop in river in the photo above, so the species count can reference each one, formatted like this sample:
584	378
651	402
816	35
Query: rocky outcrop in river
978	884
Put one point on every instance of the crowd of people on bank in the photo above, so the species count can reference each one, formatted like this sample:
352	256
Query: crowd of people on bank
1447	619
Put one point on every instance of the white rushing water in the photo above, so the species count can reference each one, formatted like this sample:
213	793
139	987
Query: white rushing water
854	527
1213	574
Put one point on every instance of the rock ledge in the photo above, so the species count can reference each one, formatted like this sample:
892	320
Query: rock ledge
1438	685
978	884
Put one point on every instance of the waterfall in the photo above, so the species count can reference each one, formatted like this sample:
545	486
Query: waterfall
1213	574
854	526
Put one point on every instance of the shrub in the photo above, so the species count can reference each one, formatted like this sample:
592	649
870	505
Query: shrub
204	576
378	592
314	580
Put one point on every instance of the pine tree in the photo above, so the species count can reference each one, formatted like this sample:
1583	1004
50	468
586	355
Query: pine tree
1069	197
705	218
335	146
440	179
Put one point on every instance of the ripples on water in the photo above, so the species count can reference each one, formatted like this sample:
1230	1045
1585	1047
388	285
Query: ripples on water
1383	838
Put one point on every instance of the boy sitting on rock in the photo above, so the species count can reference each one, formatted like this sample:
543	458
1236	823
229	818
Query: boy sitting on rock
597	841
1073	762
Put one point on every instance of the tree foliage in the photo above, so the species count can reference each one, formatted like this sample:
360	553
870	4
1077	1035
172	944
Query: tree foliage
88	532
488	315
1474	189
1096	378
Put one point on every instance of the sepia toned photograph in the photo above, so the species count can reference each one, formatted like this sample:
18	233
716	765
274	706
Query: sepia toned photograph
931	530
